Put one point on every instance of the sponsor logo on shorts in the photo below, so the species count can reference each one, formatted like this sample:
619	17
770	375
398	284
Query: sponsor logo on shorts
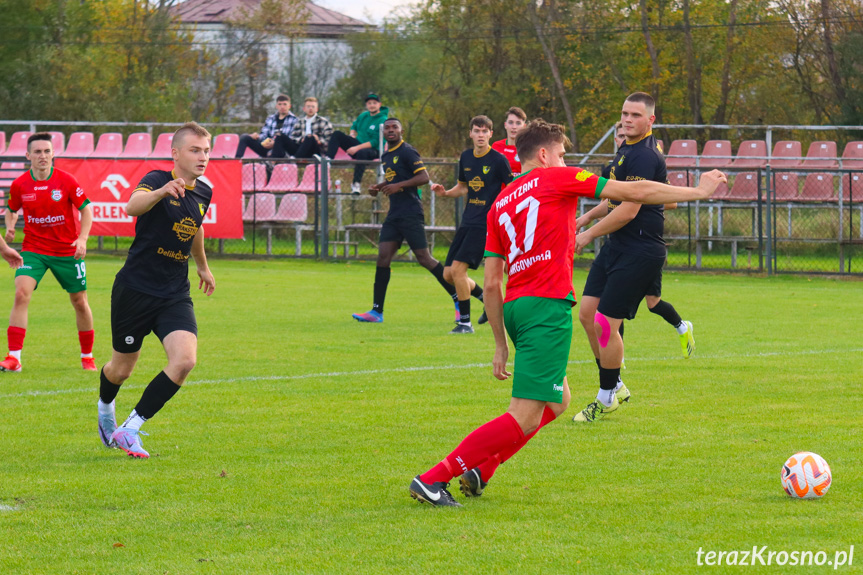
130	340
557	387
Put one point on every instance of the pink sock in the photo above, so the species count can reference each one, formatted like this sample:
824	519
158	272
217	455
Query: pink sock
488	468
497	435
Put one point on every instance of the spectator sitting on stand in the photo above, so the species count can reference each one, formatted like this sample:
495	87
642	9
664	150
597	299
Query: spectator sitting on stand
363	143
272	140
311	133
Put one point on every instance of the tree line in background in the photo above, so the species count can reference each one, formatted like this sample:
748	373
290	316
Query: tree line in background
573	62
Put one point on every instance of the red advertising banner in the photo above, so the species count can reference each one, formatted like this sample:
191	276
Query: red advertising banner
109	184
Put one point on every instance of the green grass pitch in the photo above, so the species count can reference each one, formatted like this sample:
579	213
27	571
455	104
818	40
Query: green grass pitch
292	446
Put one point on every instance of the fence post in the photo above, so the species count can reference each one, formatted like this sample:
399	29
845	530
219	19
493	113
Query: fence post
768	219
324	187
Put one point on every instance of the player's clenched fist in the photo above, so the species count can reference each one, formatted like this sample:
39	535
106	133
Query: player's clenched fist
711	180
175	188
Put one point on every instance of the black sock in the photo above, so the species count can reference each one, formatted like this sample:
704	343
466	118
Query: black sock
158	392
382	279
107	390
476	292
464	310
608	378
437	272
667	312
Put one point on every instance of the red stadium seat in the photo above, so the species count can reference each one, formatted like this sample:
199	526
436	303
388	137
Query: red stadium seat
852	157
786	149
852	187
716	154
283	178
821	155
2	203
818	188
80	145
748	154
744	188
292	208
9	171
685	179
138	145
262	207
58	140
254	177
17	145
307	184
110	145
342	155
682	148
786	187
2	142
225	146
162	149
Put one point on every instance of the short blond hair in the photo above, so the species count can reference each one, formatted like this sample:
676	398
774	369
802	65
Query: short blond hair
189	128
310	99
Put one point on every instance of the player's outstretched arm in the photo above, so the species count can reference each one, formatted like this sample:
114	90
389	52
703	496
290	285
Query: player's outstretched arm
647	192
12	257
207	281
143	201
493	299
420	179
457	191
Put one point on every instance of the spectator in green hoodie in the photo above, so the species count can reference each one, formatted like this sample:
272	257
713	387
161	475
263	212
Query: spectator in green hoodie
363	143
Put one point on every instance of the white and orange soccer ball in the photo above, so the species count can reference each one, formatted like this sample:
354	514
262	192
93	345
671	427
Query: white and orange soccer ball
806	476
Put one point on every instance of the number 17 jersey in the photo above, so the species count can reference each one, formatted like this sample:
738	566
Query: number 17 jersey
532	226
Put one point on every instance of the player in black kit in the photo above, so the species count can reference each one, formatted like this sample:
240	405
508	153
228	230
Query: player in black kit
151	291
629	265
404	172
482	174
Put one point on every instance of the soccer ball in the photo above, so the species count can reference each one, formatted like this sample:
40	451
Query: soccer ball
806	476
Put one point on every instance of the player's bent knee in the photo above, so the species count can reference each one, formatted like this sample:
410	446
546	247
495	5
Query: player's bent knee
447	274
603	329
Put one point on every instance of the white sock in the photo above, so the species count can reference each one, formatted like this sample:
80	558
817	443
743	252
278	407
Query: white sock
83	355
605	397
134	421
619	385
106	408
682	328
16	354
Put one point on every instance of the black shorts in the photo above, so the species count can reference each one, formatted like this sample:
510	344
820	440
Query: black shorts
467	246
135	314
410	228
621	280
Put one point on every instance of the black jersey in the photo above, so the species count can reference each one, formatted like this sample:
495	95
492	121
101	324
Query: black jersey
158	261
402	163
485	176
641	160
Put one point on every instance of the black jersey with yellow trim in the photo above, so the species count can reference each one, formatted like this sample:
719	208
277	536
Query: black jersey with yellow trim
158	261
640	159
485	176
401	163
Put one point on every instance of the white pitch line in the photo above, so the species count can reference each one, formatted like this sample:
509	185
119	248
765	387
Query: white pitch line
410	369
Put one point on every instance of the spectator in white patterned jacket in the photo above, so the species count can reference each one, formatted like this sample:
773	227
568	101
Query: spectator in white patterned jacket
311	133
